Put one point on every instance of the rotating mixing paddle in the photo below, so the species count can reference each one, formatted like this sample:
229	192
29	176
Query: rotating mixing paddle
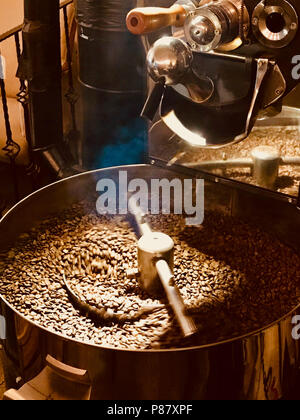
156	264
265	162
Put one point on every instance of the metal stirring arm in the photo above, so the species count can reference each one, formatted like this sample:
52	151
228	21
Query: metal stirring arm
264	163
104	314
156	261
186	323
140	218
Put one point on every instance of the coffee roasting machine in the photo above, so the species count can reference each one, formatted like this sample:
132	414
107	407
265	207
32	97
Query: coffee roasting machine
219	74
218	68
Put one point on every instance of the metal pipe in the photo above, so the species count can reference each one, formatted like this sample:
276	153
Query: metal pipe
40	65
239	163
166	276
290	160
222	164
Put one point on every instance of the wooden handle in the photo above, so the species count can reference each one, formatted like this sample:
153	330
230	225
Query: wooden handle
148	19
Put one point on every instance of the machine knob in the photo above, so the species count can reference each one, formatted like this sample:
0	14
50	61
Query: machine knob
169	60
202	30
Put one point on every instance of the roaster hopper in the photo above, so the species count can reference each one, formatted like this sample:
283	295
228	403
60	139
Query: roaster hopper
261	365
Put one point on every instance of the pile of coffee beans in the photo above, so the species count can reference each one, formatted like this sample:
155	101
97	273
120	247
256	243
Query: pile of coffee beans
233	278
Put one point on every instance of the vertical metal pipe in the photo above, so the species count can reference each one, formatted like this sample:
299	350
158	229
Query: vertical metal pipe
71	95
40	65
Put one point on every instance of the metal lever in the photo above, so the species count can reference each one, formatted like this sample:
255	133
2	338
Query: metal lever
156	262
139	217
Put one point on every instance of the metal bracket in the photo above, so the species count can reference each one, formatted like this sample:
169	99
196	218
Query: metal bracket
262	69
275	86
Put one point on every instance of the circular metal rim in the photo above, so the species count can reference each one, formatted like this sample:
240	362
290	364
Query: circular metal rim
265	153
147	246
218	30
261	31
110	348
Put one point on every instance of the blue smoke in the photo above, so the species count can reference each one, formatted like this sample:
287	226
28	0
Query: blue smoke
129	146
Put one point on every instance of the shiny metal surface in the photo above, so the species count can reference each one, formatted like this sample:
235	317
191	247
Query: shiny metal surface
169	62
203	30
156	267
186	322
288	117
212	25
153	247
169	59
266	161
261	365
